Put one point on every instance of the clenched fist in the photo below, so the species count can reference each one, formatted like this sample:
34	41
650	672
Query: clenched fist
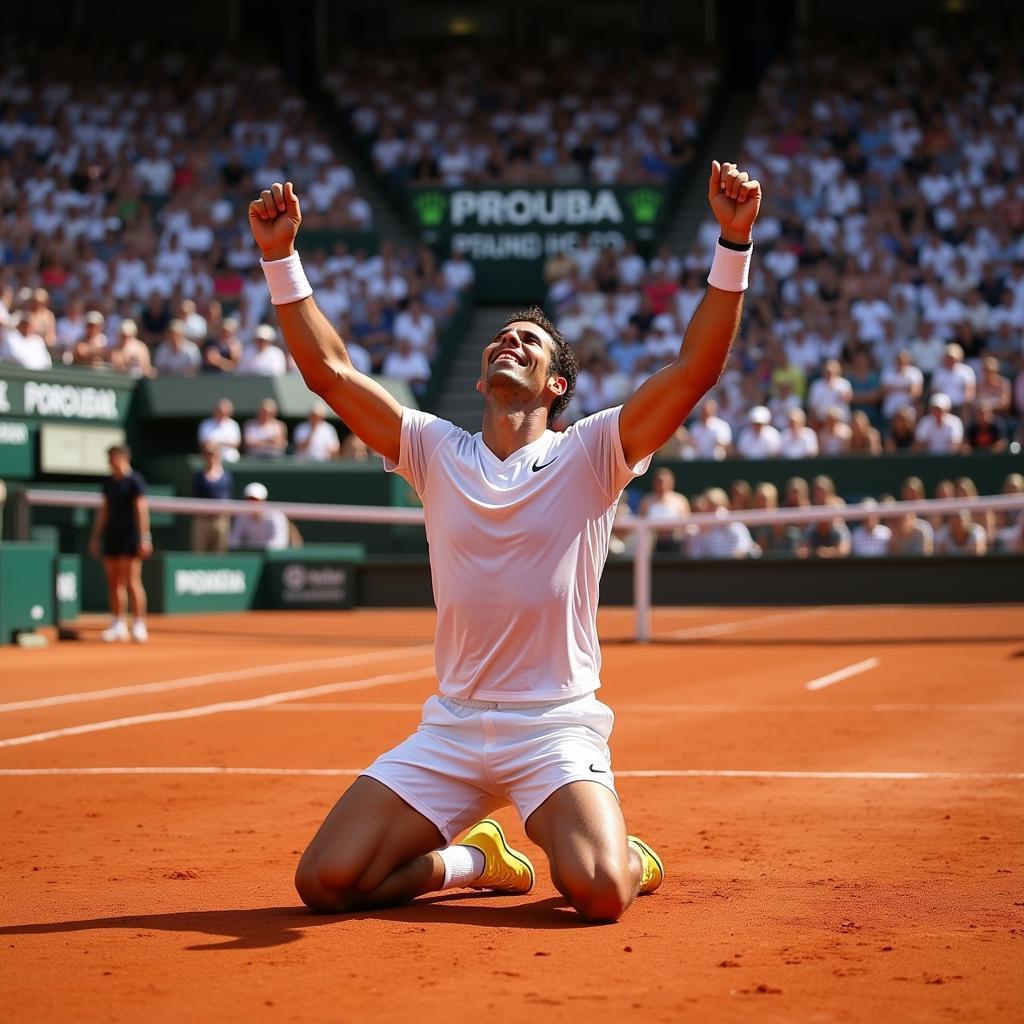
274	219
735	201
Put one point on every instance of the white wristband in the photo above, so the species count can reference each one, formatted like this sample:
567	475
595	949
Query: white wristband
286	280
730	268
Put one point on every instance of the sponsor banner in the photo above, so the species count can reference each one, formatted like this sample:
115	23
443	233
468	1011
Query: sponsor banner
311	582
180	582
69	587
508	234
64	395
17	449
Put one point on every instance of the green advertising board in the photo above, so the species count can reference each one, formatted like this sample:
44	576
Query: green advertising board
17	449
310	578
79	395
187	583
509	234
69	587
26	588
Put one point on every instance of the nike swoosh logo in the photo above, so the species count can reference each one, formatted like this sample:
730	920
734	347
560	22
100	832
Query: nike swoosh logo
537	466
598	771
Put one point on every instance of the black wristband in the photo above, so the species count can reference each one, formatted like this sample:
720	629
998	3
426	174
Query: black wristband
735	246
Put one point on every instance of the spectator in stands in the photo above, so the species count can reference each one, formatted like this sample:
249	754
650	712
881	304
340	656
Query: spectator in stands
723	540
783	402
222	430
986	432
902	435
778	539
829	538
458	271
864	438
405	363
911	536
21	346
1010	523
830	391
222	352
416	326
665	502
315	439
215	483
92	349
834	435
266	437
964	487
261	530
871	538
797	493
994	391
959	536
940	432
759	439
263	358
955	379
177	356
711	435
901	385
865	385
130	354
797	440
354	449
741	496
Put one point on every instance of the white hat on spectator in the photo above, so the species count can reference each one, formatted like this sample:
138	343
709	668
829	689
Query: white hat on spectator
256	491
940	401
94	316
760	414
129	327
266	333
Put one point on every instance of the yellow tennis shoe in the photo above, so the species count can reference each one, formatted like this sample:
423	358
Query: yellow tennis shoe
653	873
505	869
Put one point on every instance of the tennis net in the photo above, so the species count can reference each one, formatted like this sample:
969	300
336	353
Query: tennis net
932	570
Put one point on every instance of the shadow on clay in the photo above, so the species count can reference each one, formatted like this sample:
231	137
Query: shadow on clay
265	927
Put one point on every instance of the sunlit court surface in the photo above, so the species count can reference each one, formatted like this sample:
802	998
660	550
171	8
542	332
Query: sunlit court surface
841	824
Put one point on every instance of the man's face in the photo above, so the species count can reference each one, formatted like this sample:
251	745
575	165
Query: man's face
519	357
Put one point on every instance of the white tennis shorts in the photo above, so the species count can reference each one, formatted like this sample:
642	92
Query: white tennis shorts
464	762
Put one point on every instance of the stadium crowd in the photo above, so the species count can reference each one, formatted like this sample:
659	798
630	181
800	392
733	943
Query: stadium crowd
124	179
966	532
455	114
886	308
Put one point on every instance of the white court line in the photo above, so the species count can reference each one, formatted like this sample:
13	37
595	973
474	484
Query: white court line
685	709
255	672
657	773
735	625
215	709
338	705
844	673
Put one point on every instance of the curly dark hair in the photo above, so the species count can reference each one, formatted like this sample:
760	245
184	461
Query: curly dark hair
563	359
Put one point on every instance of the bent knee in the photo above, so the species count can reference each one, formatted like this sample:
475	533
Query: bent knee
329	888
601	894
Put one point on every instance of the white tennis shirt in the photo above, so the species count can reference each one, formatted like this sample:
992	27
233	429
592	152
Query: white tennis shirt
517	547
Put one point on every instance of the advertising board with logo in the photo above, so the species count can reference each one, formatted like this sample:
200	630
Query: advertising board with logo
308	583
179	582
509	234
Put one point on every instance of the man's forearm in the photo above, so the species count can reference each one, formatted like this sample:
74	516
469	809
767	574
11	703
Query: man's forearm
709	336
315	345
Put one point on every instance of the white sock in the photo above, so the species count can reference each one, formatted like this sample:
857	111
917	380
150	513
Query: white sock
117	620
463	865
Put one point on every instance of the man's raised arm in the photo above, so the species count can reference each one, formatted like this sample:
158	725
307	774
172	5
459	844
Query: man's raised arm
368	409
657	408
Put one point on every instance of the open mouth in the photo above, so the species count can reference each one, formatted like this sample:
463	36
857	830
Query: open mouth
507	355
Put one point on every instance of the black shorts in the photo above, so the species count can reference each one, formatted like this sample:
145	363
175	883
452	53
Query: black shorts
125	545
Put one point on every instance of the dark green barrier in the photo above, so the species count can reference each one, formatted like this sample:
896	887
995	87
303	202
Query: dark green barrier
313	577
26	587
509	233
855	477
185	583
18	449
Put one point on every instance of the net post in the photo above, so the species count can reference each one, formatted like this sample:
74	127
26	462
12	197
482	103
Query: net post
642	555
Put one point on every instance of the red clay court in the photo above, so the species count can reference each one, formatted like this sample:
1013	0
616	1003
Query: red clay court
847	851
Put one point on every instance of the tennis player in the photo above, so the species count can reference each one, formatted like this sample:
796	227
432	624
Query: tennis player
518	519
